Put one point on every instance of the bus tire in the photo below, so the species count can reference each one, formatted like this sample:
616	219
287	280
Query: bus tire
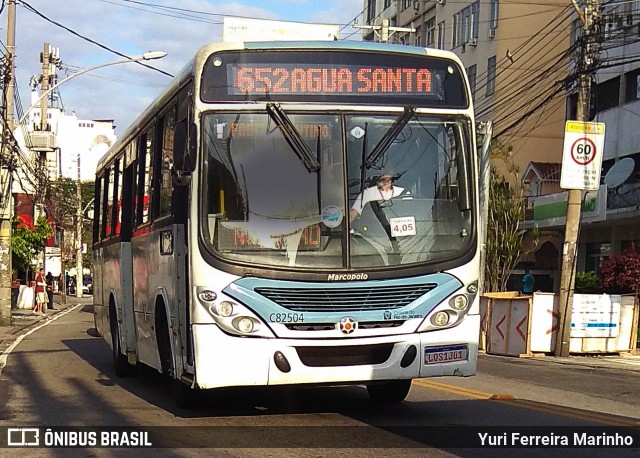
120	363
392	391
183	395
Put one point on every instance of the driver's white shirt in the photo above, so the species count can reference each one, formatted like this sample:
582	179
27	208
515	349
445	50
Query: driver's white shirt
375	193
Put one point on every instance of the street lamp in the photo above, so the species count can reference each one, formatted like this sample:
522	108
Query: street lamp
151	55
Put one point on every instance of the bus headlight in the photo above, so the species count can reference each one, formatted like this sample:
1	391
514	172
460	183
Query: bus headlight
232	316
207	295
451	311
440	318
459	302
225	309
243	324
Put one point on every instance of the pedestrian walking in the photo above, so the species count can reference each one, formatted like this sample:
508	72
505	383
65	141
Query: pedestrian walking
49	281
41	294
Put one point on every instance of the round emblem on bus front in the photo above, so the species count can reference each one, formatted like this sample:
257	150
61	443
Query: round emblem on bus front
347	325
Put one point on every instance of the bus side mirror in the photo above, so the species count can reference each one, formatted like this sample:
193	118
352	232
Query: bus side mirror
184	147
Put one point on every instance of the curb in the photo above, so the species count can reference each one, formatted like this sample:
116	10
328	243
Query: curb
24	320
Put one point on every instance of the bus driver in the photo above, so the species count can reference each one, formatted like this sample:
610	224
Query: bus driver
382	192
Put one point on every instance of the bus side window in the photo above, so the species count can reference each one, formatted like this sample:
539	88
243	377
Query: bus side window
144	181
117	197
97	210
148	174
109	188
165	184
103	207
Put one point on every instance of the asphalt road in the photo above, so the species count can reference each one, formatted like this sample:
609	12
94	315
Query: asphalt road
60	375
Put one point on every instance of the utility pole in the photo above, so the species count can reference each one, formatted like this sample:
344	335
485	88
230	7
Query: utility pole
588	54
384	31
79	216
44	85
6	172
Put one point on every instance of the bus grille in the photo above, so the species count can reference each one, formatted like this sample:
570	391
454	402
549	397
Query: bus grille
346	299
344	356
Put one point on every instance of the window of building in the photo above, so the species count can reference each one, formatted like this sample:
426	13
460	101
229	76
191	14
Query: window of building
607	94
407	4
418	36
471	74
465	25
493	15
431	32
441	32
491	75
455	31
387	4
632	86
475	19
595	254
371	10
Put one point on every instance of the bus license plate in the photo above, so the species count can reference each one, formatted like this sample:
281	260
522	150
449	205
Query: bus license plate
438	355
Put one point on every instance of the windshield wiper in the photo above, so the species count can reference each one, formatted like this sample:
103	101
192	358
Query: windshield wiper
389	137
293	137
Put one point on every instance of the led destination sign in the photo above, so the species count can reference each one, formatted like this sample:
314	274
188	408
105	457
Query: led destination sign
312	79
333	76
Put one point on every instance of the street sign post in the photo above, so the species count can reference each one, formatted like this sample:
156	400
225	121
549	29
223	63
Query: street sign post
582	155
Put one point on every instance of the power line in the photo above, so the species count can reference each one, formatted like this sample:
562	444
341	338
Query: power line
105	47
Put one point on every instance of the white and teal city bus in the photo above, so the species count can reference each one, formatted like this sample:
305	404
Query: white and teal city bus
225	253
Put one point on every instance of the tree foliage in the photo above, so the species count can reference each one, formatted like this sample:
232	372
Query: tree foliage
620	273
27	241
504	245
63	205
586	283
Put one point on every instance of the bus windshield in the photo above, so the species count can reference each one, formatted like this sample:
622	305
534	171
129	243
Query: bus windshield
384	189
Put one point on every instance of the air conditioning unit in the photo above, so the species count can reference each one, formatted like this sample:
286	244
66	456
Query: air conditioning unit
492	33
473	42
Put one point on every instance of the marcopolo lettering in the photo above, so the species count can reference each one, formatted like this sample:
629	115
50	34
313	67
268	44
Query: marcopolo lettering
354	276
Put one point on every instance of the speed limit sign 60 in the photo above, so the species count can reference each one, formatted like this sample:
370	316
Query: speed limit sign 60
582	155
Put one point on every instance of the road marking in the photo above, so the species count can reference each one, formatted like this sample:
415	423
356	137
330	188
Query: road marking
5	354
508	399
459	390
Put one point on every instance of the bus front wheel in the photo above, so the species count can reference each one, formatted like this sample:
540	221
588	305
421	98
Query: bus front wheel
392	391
183	395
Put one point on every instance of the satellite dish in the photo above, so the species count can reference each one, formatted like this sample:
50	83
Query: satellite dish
619	173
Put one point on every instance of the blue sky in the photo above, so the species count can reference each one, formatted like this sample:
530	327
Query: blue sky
133	27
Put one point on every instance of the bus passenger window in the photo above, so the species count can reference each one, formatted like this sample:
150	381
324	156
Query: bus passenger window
166	185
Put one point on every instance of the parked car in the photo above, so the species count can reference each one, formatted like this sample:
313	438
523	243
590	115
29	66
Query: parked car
87	284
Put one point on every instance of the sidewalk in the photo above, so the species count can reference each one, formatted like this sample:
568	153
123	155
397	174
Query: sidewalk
24	318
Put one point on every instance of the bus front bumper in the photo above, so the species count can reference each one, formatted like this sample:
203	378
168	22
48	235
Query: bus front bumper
222	360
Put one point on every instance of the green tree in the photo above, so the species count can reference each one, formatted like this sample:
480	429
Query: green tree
27	241
504	245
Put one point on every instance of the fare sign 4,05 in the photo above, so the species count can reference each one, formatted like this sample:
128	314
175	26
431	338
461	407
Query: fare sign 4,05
582	155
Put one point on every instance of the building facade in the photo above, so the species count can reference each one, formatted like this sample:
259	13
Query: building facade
68	147
519	56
